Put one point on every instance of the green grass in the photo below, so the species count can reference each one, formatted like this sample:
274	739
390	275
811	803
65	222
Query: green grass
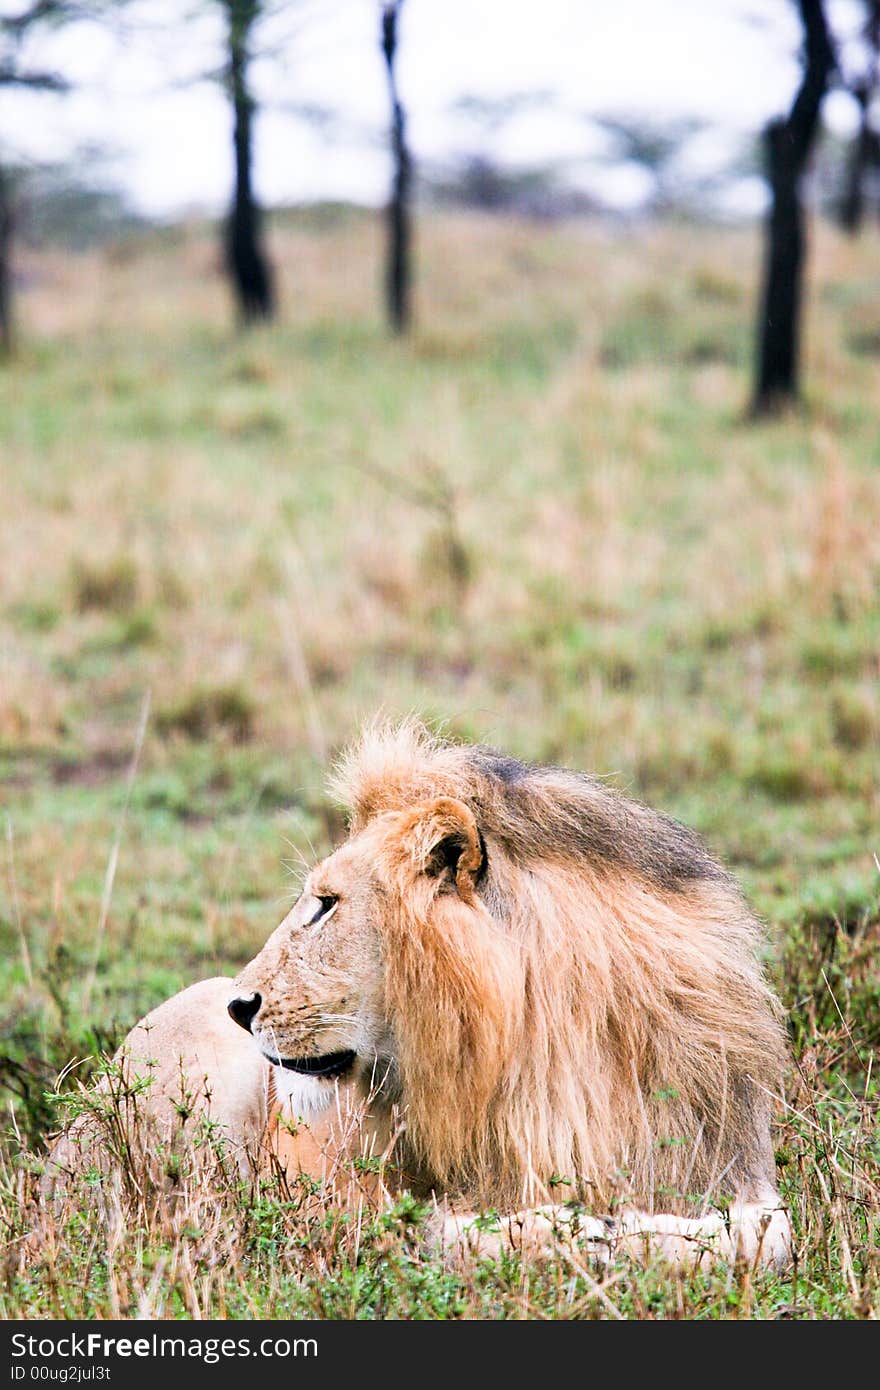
543	521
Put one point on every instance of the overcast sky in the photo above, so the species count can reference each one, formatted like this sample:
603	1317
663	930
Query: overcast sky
729	63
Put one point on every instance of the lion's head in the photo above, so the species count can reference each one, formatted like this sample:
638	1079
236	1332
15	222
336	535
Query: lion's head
547	978
392	915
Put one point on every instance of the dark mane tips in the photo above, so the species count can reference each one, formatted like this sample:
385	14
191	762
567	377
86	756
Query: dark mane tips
529	810
508	770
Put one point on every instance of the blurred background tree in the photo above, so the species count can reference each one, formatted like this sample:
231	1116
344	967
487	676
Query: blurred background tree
862	178
654	146
788	144
15	71
397	272
246	257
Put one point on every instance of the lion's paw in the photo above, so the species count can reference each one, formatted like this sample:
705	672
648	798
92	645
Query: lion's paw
761	1233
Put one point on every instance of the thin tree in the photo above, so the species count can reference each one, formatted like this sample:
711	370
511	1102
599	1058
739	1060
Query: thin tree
7	223
15	29
655	146
246	260
787	145
398	277
865	151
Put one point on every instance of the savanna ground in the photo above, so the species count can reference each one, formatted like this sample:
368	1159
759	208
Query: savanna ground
545	521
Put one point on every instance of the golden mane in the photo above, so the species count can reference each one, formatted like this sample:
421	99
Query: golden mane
590	1009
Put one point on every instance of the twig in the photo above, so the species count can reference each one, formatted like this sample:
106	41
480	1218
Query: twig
16	905
110	875
297	663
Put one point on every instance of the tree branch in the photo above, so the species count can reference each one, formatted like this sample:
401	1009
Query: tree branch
37	81
40	12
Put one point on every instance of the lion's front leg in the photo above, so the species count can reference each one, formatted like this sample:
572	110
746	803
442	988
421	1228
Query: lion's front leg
761	1232
683	1242
757	1232
467	1235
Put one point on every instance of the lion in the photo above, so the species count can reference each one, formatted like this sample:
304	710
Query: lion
530	983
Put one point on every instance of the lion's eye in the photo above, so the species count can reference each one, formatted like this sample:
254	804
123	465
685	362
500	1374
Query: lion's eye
326	905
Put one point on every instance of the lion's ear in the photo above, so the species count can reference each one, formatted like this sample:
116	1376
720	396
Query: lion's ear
448	845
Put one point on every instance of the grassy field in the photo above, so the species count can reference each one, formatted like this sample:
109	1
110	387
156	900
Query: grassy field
544	521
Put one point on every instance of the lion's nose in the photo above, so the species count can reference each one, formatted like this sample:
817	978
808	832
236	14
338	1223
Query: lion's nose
243	1010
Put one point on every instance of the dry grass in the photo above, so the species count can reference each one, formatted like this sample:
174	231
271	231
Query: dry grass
544	521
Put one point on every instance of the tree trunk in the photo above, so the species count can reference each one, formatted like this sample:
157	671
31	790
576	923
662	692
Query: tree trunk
781	300
246	261
7	214
852	204
787	147
864	158
397	271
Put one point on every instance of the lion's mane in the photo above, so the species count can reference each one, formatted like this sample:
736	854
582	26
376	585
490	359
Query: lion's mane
592	1013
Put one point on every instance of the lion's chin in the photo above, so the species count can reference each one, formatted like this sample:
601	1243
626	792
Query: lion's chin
302	1097
327	1067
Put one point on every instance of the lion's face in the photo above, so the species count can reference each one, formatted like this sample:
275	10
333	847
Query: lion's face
319	978
317	997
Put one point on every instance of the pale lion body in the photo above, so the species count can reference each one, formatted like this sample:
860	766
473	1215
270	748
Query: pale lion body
523	979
